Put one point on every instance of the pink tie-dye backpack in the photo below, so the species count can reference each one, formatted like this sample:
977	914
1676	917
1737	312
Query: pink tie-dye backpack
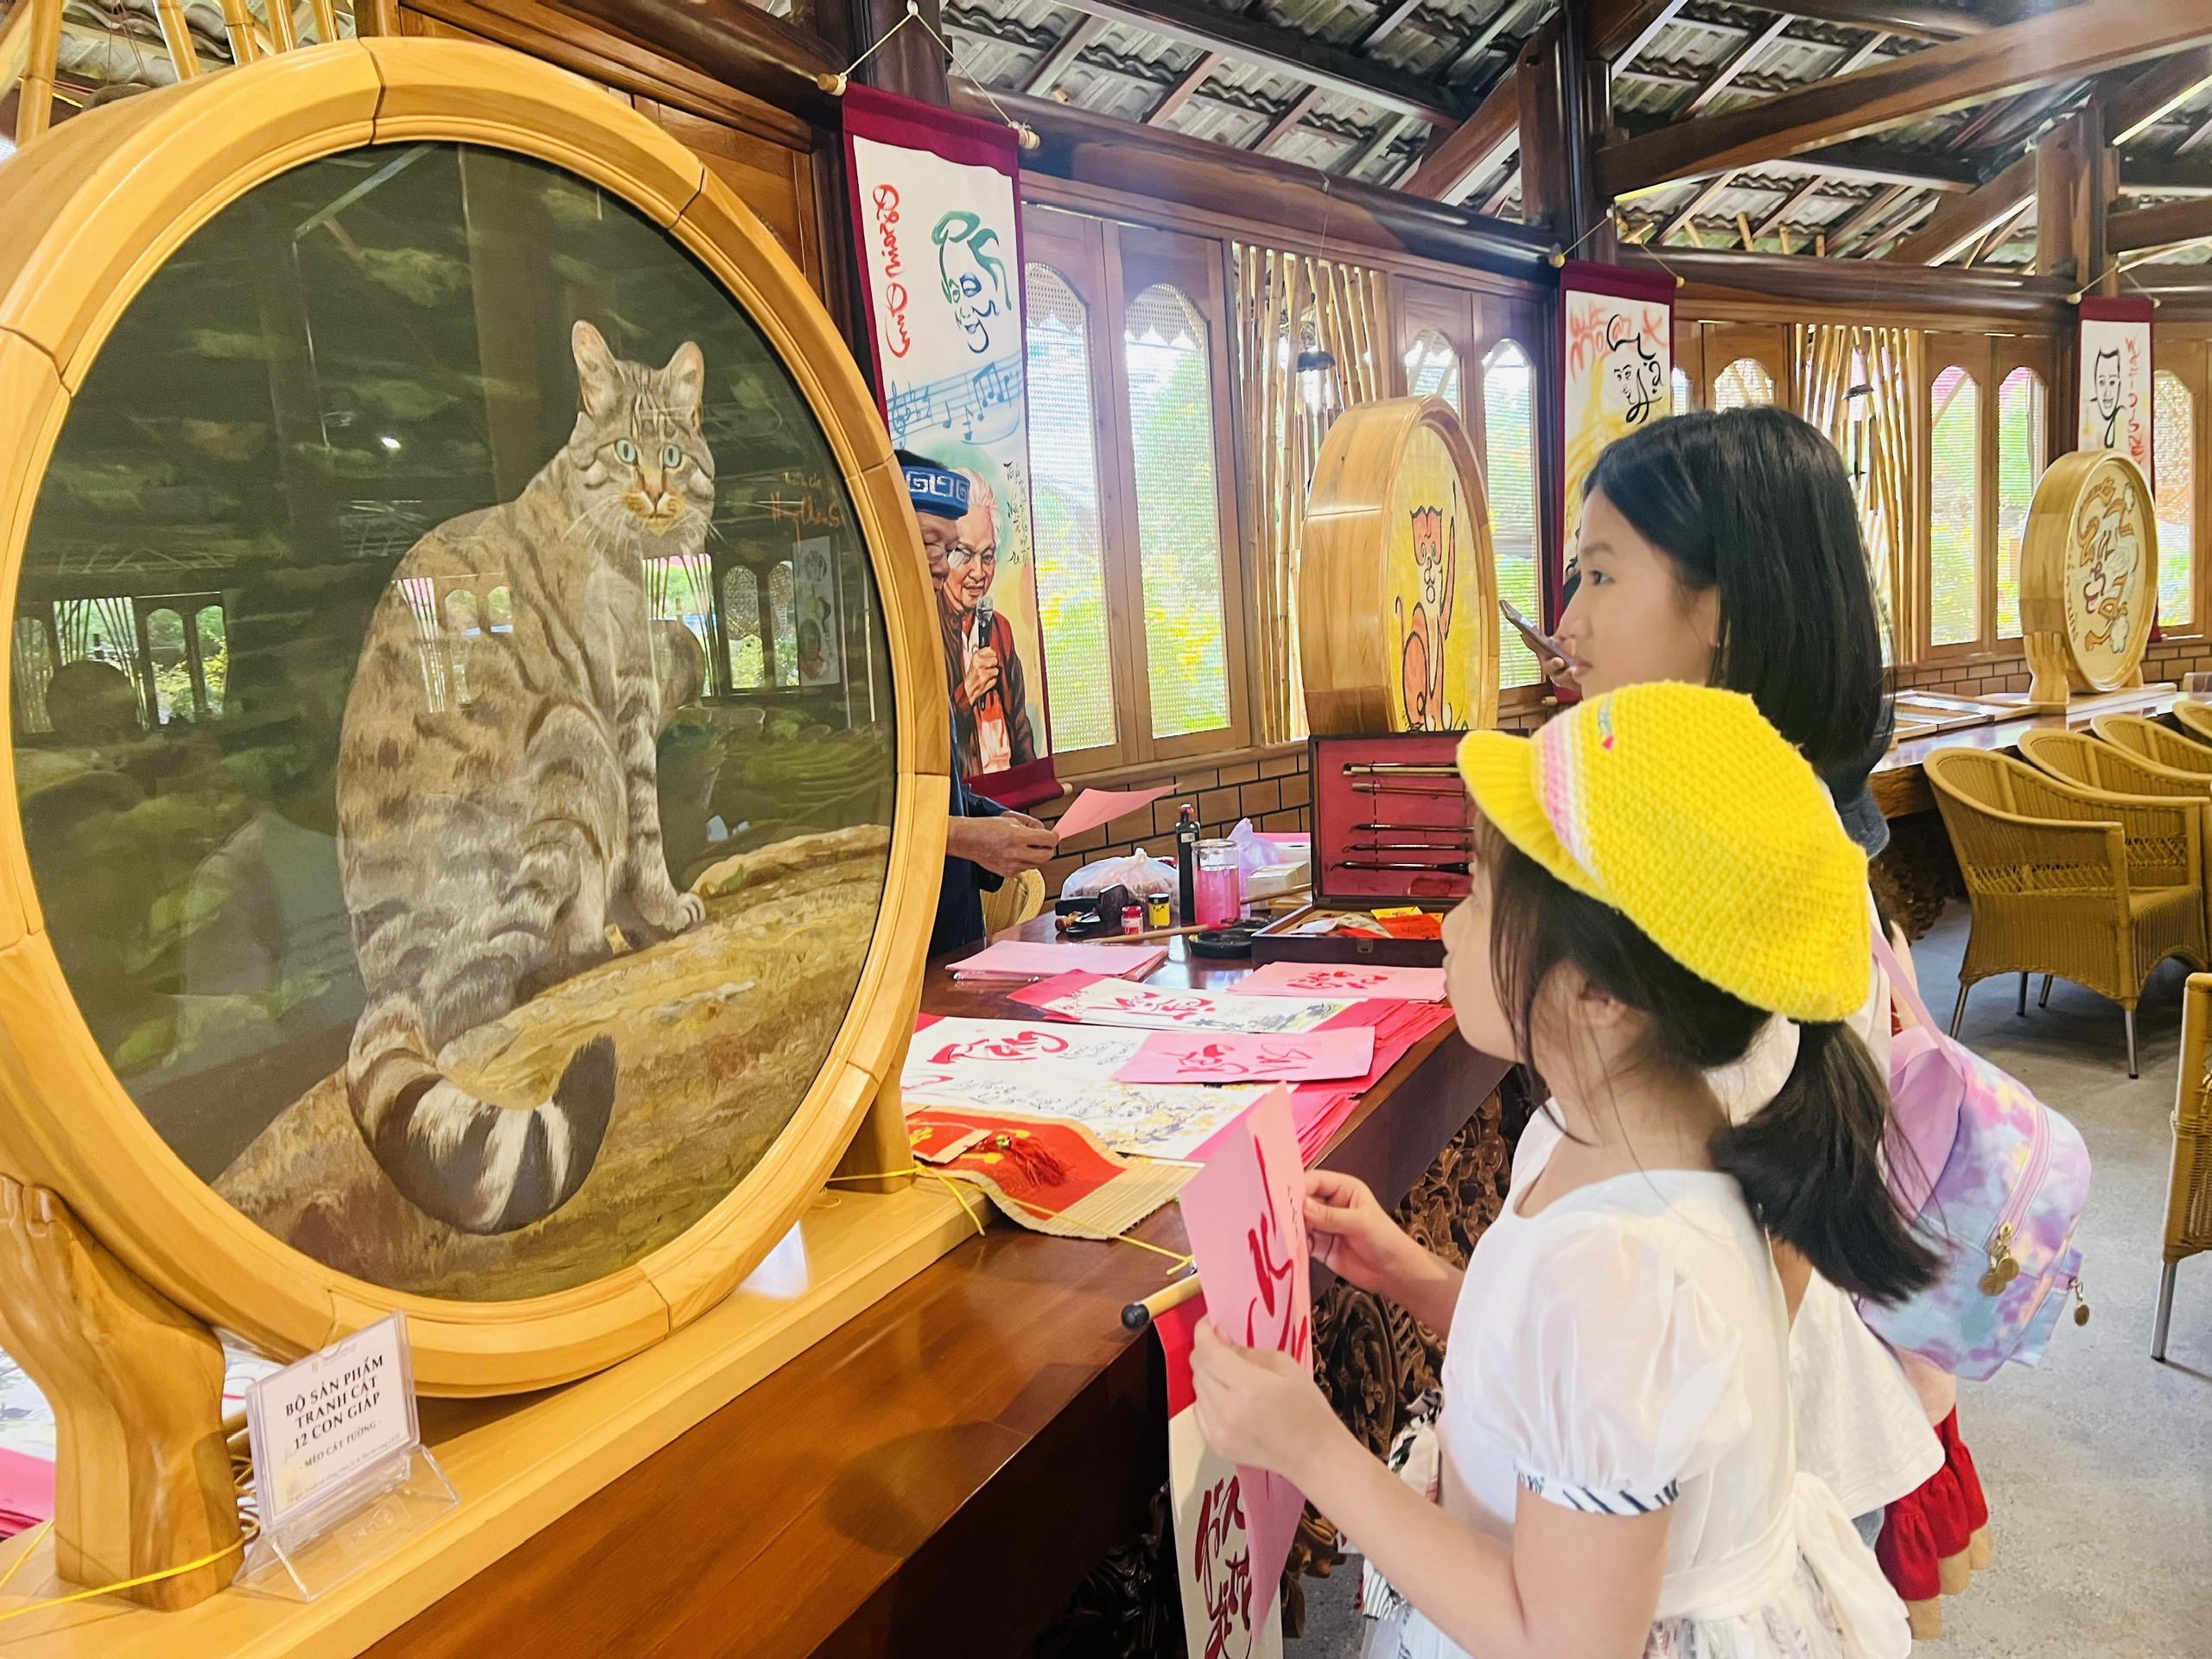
1998	1180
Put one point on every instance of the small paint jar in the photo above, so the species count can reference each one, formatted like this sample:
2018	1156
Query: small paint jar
1160	911
1220	884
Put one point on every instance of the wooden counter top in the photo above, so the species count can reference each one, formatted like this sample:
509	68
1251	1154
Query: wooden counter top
936	1475
1899	785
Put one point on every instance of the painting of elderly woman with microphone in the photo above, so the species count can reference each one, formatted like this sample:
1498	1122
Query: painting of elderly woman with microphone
991	728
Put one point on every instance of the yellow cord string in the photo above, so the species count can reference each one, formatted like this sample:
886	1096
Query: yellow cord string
14	1567
836	82
1037	1209
244	1538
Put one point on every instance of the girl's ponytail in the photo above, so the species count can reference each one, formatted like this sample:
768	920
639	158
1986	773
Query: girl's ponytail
1810	1164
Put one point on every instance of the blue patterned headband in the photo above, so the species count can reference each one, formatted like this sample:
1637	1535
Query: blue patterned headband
933	488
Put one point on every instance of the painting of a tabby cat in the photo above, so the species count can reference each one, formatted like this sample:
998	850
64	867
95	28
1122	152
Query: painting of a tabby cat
486	842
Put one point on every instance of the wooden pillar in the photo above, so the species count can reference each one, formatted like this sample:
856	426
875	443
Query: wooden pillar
1566	108
913	65
2057	174
34	94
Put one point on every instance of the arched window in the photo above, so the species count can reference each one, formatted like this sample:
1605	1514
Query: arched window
1178	511
2020	430
499	610
1433	367
741	627
215	654
1953	509
1064	495
782	621
1510	474
1743	384
1681	382
460	611
172	663
2173	459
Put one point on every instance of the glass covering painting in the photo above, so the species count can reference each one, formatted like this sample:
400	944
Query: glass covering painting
453	722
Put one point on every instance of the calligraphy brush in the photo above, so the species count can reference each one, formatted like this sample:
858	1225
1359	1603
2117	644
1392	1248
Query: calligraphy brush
1359	768
1137	1315
1374	864
1456	831
1369	786
1461	845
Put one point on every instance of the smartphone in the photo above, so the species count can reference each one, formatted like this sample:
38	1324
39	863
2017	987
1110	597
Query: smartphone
1545	648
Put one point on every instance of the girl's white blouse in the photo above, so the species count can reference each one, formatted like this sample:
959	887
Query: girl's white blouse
1628	1348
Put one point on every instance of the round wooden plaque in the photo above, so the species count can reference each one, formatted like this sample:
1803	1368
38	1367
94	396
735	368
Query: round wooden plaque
2088	575
1397	595
478	725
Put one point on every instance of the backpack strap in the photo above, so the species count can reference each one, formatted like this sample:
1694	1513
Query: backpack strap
1901	983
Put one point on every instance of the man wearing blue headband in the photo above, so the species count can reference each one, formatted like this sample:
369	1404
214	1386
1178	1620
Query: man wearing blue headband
984	842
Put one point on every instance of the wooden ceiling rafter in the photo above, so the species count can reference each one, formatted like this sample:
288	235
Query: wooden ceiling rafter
1385	134
1876	206
1484	41
1791	204
1319	63
2057	45
2147	98
2170	223
1715	186
1966	220
1061	55
1185	89
1287	122
1464	154
1737	62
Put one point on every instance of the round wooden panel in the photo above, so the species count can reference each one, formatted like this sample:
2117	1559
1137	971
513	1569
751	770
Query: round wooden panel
2089	574
476	725
1398	590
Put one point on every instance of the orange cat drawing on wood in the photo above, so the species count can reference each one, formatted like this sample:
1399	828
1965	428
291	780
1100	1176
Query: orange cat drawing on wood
1421	642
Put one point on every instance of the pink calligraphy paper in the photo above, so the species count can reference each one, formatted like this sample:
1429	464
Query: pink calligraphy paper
1245	1213
1097	806
1115	1002
1340	980
1236	1056
1040	959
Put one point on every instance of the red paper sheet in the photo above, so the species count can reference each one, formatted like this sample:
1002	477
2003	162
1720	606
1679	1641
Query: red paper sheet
1245	1213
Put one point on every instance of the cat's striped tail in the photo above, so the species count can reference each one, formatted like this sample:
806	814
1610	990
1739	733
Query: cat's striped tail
474	1166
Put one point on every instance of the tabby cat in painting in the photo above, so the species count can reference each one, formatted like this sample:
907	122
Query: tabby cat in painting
489	833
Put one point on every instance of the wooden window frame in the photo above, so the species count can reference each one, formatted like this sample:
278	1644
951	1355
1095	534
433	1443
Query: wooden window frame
2008	353
1107	265
1766	344
1972	354
2189	361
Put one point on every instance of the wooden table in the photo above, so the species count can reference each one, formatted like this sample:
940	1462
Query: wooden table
937	1475
1899	785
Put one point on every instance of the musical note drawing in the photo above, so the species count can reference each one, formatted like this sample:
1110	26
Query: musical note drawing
986	403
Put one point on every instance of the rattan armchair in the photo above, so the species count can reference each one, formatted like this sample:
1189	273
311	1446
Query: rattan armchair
1018	898
2188	1195
2152	742
2093	887
2196	718
2077	758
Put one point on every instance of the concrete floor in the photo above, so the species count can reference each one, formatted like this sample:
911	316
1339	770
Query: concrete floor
2098	1464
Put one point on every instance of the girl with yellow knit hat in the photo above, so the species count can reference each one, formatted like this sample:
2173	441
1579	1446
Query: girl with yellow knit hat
1657	875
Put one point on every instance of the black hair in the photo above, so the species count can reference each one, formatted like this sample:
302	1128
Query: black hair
1810	1161
1756	503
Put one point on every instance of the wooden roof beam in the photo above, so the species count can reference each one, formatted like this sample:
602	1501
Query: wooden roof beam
1285	124
2150	96
1469	151
1331	69
2083	41
2169	224
1484	39
1619	29
1803	193
2164	176
1896	17
1964	220
1699	203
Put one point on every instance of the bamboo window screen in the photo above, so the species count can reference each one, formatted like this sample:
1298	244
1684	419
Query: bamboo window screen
1288	303
1873	431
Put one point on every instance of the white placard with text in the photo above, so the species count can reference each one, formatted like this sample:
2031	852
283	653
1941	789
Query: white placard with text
321	1425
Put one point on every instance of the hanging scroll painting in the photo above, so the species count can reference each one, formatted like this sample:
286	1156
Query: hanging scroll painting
1618	332
938	225
2116	377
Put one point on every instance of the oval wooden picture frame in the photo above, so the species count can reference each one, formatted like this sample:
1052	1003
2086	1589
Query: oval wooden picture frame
1352	636
118	190
2055	656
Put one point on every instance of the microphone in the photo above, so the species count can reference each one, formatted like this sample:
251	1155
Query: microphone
986	613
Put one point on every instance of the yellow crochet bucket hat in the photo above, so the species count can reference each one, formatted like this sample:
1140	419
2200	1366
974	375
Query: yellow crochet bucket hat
1682	808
